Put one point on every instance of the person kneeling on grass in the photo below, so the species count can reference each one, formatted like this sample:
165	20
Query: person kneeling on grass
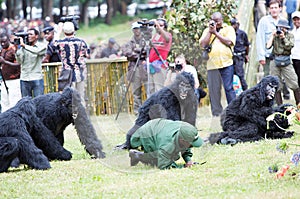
162	140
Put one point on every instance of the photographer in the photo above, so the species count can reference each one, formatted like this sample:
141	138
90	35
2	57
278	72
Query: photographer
221	38
11	73
282	42
162	41
73	52
30	56
137	75
181	66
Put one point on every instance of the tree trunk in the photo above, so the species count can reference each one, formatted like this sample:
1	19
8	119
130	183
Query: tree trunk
47	6
84	13
24	6
109	14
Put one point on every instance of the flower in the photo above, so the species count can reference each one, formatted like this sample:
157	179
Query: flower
295	158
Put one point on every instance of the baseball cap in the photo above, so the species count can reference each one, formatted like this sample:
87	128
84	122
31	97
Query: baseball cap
135	25
48	29
68	27
234	21
190	134
112	40
296	14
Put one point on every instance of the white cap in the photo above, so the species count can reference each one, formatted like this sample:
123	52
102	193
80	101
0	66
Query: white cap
68	27
296	14
135	25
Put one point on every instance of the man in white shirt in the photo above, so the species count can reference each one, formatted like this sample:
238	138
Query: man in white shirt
180	66
295	53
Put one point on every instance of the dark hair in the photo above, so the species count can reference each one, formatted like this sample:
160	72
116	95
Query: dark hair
36	32
274	2
4	35
163	20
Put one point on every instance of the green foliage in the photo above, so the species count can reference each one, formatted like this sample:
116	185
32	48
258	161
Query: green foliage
187	19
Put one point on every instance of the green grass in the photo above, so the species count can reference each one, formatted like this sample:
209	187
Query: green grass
240	171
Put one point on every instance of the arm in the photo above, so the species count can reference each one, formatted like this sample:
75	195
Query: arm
205	39
261	42
37	49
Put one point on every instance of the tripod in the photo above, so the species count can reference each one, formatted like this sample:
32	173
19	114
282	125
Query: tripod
146	46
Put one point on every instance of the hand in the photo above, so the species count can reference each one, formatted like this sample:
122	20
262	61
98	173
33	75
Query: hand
212	27
190	164
247	59
262	62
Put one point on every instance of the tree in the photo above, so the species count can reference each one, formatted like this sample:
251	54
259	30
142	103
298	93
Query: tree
187	19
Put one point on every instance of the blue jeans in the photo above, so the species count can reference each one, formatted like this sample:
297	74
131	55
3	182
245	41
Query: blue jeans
32	88
227	78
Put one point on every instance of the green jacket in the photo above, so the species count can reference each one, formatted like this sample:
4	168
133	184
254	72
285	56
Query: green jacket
283	46
159	139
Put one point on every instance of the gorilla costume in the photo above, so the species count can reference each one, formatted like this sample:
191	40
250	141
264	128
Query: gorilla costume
244	119
19	126
32	131
174	102
58	110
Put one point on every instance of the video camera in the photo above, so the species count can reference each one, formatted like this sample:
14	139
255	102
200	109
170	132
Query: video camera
74	19
24	35
175	67
145	28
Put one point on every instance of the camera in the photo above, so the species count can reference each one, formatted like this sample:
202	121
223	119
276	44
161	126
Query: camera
24	35
207	48
278	30
212	23
145	28
175	67
73	19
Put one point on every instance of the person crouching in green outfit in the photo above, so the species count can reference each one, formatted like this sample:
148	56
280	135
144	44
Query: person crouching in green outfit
161	141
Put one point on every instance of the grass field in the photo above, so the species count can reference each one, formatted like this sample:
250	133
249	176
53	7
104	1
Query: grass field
240	171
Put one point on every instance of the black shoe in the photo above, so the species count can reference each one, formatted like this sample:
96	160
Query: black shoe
122	147
134	157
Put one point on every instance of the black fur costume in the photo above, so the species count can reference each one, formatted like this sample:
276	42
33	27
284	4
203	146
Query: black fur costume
175	102
20	129
32	131
58	110
244	119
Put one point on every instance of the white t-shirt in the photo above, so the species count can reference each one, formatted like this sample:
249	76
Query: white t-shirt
296	49
188	69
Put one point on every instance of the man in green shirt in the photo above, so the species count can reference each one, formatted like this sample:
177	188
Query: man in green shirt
162	140
282	42
30	56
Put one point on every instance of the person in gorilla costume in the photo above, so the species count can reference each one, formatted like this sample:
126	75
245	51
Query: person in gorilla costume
174	102
32	131
244	119
19	126
58	110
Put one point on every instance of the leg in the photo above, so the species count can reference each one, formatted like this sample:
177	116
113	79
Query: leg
25	88
239	70
45	140
14	96
214	87
136	83
9	150
291	78
227	78
296	66
38	87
